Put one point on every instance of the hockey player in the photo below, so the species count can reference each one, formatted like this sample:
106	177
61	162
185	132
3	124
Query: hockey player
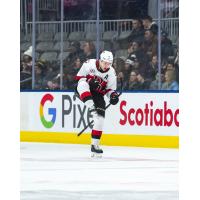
97	78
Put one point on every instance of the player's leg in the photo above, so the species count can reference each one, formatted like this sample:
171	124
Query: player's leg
98	118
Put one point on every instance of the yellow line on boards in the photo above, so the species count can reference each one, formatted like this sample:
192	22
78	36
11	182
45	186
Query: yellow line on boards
107	139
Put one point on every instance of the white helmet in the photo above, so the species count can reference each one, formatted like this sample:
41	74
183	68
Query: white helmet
106	56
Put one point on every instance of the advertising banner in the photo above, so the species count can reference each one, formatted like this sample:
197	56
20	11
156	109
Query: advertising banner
135	114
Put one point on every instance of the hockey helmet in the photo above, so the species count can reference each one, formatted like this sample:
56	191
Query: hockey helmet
106	56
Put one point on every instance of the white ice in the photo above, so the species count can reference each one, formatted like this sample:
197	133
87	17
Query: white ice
67	172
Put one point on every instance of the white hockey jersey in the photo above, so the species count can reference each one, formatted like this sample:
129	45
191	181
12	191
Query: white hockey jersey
107	79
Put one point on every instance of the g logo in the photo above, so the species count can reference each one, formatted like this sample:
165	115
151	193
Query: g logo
51	111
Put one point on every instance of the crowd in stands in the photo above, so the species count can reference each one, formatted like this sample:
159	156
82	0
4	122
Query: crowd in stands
138	67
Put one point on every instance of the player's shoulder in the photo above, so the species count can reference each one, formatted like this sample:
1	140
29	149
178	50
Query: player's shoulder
88	64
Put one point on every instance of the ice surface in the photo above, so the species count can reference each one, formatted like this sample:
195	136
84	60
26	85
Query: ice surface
67	172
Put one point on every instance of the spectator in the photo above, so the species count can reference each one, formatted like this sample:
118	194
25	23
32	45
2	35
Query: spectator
172	66
137	33
133	83
75	51
128	67
136	46
168	66
144	84
26	73
151	69
155	84
70	72
51	73
130	49
54	84
150	44
133	61
136	49
115	66
118	64
170	80
150	25
40	71
166	47
124	81
74	67
89	50
69	81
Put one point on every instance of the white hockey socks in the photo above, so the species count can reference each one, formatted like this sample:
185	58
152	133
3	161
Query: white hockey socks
97	129
95	141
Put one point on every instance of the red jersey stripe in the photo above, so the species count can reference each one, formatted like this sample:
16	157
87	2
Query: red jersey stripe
85	94
79	77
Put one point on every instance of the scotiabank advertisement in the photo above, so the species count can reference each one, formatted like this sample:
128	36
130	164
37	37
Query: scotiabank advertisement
136	113
146	113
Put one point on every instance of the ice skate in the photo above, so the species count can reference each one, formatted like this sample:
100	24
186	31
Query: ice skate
96	151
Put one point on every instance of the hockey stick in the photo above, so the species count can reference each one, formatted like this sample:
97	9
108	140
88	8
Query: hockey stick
105	109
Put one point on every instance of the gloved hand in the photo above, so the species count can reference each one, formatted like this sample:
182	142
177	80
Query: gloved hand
94	84
114	98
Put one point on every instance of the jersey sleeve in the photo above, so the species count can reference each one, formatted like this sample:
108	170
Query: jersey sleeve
83	72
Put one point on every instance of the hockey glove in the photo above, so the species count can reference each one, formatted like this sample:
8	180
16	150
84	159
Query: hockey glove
94	84
114	98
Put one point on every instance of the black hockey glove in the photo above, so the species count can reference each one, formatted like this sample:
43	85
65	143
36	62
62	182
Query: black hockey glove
94	84
114	98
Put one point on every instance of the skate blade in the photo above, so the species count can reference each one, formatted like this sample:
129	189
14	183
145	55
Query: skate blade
96	155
